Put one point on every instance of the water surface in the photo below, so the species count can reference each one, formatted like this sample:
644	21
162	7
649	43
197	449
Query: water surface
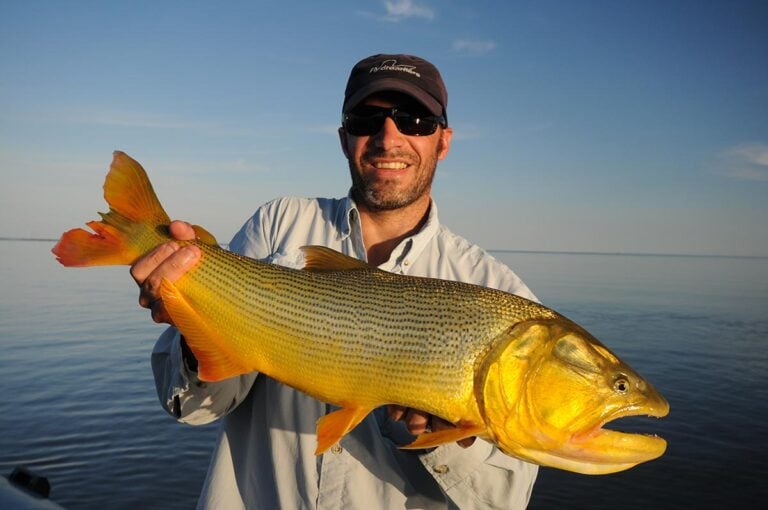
79	404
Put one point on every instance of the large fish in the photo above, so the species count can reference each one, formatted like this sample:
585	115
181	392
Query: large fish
497	366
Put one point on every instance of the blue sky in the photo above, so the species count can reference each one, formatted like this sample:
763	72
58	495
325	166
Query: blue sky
579	126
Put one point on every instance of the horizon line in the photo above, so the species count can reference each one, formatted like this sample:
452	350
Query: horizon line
504	250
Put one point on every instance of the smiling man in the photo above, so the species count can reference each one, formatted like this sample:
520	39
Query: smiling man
394	131
392	173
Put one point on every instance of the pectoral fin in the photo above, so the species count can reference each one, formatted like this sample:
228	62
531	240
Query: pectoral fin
333	426
452	435
215	361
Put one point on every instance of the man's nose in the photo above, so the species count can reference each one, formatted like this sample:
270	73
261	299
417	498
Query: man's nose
389	136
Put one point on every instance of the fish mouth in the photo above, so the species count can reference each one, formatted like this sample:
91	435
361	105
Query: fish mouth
600	450
594	450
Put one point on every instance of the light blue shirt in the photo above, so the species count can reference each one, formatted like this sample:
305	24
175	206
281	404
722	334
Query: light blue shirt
264	457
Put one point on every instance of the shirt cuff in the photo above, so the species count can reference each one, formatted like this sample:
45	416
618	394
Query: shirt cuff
181	377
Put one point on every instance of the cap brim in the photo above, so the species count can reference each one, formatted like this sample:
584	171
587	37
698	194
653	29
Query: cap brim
394	85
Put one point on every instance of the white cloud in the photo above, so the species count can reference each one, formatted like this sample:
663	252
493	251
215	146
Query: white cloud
746	162
473	47
401	9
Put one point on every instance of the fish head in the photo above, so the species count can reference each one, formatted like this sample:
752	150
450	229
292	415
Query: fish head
548	389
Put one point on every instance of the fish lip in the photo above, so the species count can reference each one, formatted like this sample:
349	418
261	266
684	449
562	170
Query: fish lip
657	409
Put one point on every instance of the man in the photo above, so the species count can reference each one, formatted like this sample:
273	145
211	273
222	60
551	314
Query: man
394	130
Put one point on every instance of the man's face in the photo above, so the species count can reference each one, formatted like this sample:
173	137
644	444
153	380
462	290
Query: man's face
391	170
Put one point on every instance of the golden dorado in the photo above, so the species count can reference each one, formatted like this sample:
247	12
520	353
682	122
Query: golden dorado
497	366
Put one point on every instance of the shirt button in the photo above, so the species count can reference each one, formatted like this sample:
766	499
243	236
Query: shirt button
406	262
441	469
336	449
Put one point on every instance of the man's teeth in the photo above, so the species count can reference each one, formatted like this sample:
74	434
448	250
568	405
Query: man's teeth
391	166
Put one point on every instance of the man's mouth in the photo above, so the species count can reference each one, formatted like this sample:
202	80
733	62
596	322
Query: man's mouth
390	165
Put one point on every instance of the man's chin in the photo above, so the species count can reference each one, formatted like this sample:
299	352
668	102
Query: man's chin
385	203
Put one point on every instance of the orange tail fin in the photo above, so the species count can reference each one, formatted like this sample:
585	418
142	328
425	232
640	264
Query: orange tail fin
133	226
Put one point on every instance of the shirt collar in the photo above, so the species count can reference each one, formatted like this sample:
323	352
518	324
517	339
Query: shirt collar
409	249
346	217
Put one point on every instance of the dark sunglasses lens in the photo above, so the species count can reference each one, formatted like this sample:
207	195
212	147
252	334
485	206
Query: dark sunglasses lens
415	126
363	125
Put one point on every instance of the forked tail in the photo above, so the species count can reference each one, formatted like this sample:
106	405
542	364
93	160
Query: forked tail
135	223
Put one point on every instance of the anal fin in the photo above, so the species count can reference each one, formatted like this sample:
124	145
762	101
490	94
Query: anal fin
335	425
450	435
215	361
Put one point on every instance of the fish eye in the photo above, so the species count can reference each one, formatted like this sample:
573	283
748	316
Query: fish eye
621	384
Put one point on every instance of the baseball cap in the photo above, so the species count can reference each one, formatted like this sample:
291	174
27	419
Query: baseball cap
400	73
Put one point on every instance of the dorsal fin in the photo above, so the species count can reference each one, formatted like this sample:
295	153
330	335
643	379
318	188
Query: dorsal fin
320	258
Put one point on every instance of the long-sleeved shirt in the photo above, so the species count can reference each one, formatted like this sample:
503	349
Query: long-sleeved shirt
264	456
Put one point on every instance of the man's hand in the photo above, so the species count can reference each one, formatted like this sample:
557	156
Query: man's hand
168	260
419	422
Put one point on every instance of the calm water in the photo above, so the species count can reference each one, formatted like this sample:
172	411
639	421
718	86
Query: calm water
79	406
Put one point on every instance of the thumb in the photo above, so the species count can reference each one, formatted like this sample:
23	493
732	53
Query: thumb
181	230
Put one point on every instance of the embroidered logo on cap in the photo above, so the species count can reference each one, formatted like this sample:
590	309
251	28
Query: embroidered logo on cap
392	65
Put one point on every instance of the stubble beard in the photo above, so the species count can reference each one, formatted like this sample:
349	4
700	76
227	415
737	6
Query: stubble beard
383	196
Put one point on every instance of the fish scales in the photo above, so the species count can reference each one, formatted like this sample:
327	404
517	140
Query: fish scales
389	337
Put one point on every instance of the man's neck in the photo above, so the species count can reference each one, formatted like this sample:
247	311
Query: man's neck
384	230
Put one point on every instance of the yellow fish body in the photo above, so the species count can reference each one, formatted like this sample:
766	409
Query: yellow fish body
495	365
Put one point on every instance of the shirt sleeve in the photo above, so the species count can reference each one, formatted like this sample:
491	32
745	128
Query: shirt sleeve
179	389
183	394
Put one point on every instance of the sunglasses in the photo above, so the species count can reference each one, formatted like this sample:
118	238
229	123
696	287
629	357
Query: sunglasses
368	120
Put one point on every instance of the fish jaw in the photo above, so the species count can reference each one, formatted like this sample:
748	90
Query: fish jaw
549	389
597	450
592	466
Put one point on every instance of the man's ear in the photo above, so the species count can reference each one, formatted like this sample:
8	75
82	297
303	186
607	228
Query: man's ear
343	140
445	142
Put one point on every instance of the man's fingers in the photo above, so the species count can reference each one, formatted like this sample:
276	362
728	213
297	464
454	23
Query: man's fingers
149	262
466	442
172	268
177	264
417	421
396	412
159	314
181	230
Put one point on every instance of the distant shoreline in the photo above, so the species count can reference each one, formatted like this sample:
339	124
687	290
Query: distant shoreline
529	252
631	254
41	239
